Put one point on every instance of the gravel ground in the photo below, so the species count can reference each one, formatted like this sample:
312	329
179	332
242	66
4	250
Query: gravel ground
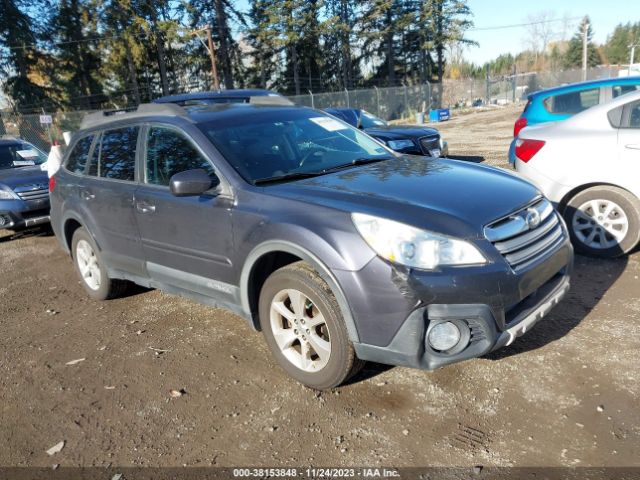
565	394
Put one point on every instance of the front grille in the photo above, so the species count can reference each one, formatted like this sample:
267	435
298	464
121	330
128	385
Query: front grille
429	143
527	235
32	192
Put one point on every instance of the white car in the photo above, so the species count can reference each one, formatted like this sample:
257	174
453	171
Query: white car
589	166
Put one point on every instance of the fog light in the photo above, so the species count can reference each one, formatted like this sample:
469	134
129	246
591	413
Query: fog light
444	336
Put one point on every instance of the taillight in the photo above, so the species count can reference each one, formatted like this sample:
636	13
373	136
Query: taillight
519	125
526	149
52	183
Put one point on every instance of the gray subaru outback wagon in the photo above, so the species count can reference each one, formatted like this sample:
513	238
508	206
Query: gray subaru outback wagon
337	248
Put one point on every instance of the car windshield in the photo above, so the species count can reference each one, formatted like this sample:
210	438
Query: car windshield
20	154
370	121
290	143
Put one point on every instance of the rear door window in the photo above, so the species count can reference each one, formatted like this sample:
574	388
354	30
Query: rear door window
170	152
572	102
618	90
77	160
116	154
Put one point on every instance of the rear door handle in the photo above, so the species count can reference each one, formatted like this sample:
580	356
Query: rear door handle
144	207
633	146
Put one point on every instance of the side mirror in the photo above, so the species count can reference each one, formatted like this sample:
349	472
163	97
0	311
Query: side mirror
191	183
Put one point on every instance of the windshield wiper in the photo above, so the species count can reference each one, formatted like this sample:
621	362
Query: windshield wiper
353	163
286	176
301	175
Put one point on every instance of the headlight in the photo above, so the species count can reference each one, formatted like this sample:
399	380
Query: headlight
400	144
6	195
413	247
441	141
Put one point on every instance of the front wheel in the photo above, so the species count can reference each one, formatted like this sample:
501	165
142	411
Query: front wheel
603	221
303	326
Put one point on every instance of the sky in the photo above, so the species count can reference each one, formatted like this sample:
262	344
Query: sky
604	15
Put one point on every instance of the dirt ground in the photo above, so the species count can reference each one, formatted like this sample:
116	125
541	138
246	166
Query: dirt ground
565	394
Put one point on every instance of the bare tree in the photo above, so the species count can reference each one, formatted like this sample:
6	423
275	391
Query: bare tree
541	30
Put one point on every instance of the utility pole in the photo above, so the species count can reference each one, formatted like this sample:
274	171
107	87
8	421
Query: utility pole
633	51
212	53
584	50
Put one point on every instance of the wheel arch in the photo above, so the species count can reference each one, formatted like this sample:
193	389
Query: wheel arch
70	223
271	255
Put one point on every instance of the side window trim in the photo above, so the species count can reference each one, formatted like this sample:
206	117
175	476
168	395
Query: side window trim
189	138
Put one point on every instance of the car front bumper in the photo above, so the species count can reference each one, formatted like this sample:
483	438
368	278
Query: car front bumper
15	214
395	309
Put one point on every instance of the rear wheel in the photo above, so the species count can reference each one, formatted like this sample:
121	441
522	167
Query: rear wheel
92	270
603	221
303	326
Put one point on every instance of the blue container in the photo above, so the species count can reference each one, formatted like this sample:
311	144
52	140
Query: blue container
439	115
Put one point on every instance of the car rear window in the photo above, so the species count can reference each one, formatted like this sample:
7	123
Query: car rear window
572	102
116	157
77	160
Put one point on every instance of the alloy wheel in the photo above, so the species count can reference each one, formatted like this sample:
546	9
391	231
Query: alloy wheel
300	330
600	224
88	265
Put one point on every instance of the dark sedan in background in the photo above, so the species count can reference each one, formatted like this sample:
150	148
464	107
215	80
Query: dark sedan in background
409	139
24	187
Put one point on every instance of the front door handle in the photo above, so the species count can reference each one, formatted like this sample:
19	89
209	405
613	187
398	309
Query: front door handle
633	146
144	207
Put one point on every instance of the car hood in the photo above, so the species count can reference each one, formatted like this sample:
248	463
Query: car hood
13	177
396	132
448	196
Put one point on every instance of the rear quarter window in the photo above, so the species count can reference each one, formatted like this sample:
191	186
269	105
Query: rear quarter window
618	90
78	157
572	102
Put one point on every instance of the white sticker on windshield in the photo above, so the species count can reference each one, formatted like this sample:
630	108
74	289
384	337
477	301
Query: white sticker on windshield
329	124
23	163
31	153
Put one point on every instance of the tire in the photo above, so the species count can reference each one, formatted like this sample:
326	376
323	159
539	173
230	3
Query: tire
603	221
301	348
95	279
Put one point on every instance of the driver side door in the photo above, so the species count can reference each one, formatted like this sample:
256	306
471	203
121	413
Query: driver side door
187	241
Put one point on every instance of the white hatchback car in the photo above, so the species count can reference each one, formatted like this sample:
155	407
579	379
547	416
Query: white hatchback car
589	166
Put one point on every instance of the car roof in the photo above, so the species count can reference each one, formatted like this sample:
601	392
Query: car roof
341	109
193	113
219	94
575	87
8	140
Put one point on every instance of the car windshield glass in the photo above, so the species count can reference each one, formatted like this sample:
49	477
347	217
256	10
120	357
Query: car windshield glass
369	121
281	142
17	155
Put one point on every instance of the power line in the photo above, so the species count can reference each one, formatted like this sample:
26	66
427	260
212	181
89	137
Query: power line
517	25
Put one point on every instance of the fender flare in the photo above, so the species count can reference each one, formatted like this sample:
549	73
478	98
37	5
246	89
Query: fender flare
294	249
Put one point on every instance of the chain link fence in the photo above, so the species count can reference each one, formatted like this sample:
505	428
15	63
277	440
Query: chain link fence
388	103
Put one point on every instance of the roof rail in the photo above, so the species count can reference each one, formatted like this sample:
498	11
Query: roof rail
270	100
143	110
